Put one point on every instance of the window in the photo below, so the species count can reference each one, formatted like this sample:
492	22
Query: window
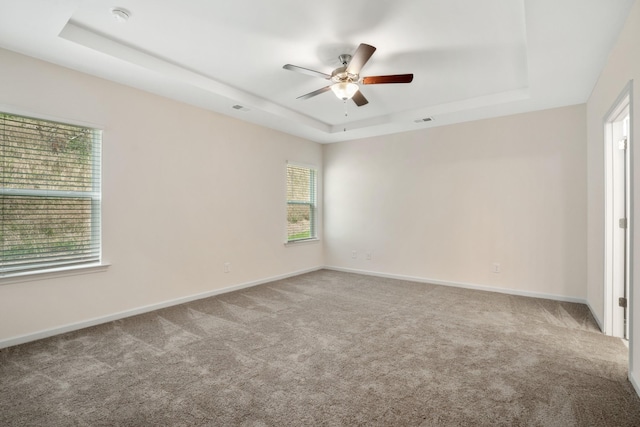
49	195
301	203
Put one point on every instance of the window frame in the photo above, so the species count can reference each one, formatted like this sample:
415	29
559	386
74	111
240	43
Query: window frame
53	270
313	203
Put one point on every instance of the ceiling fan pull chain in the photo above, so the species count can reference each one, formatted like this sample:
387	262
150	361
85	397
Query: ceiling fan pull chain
345	113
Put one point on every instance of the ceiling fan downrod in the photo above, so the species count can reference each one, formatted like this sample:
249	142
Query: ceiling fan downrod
344	59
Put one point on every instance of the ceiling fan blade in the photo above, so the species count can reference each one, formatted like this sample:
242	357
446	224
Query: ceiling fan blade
306	71
362	55
396	78
359	99
315	92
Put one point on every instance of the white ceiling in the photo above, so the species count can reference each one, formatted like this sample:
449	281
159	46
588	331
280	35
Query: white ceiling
471	59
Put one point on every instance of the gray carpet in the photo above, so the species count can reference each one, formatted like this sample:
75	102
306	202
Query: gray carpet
328	348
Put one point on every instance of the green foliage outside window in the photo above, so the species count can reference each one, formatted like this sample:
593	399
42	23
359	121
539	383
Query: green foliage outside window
301	203
49	193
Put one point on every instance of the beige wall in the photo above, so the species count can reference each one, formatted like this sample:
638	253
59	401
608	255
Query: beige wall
622	66
444	204
184	190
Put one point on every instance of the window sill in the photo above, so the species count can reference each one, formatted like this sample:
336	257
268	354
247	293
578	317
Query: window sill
302	242
53	273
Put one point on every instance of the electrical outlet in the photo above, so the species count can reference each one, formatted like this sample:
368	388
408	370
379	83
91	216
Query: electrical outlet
227	267
496	267
354	254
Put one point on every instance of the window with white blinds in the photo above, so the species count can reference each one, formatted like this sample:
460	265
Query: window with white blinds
301	203
49	194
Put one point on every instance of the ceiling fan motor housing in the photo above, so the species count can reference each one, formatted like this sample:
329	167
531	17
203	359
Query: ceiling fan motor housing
340	75
345	79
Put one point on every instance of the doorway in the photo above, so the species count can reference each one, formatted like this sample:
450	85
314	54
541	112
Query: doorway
617	216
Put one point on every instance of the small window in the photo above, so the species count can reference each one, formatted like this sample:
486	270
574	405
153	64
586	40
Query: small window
301	203
49	195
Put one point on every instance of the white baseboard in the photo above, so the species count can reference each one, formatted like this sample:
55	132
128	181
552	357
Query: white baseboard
9	342
461	285
145	309
634	383
595	317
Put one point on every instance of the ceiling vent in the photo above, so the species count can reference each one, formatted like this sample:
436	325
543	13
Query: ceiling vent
120	15
426	119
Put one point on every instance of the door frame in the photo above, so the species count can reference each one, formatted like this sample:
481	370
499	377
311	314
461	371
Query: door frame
613	325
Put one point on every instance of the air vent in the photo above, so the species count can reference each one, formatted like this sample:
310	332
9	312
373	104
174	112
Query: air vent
426	119
120	15
240	107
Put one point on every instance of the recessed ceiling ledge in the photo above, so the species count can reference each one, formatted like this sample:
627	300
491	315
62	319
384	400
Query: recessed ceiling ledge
86	37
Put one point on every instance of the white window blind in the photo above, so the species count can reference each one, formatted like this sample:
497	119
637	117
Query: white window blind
301	203
49	194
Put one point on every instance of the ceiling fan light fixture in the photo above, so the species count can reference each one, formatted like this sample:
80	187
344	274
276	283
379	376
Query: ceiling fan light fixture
344	90
344	80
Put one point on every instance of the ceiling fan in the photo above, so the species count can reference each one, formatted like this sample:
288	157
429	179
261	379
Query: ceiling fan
345	79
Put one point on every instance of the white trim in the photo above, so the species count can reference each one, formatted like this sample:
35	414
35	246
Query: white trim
52	273
302	242
461	285
613	316
632	310
144	309
635	383
595	316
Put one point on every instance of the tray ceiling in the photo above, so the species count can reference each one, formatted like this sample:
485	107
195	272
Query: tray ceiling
470	59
